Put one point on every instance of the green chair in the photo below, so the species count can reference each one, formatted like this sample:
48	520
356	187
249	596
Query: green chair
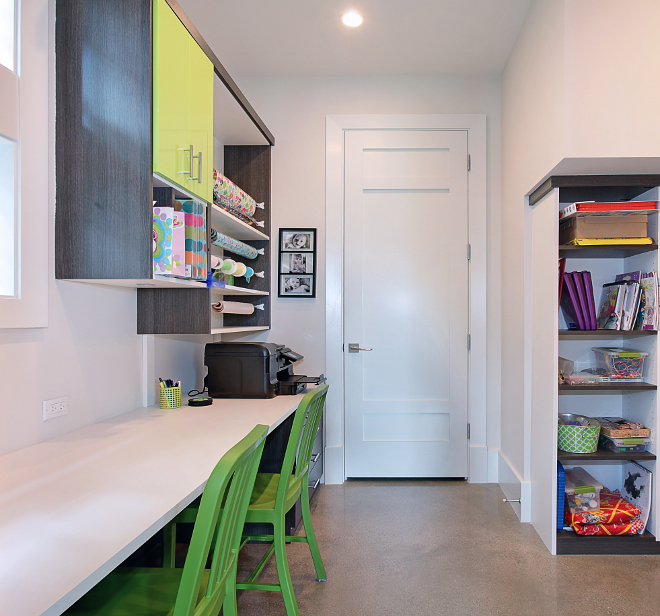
193	590
275	494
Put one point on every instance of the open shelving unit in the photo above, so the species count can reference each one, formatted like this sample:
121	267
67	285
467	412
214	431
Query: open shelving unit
550	339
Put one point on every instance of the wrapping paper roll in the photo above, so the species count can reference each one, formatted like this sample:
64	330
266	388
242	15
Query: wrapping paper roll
227	193
232	245
232	307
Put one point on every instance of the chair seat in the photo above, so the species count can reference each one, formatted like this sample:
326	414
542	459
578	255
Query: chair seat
133	591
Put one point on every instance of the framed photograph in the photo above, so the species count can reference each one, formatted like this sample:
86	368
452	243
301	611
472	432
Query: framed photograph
297	263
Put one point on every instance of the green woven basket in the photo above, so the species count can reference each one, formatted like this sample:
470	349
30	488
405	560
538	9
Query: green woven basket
578	439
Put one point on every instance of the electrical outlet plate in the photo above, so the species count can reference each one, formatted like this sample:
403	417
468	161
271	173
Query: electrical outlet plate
55	407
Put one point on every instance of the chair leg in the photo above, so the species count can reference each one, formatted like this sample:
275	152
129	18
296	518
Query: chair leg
169	545
283	573
311	537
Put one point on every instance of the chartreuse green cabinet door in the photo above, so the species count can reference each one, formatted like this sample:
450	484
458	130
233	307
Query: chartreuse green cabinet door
183	105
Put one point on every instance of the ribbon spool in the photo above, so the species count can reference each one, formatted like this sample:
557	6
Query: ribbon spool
216	262
228	267
240	270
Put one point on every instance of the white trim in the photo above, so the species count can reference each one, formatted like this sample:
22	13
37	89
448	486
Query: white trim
514	488
477	199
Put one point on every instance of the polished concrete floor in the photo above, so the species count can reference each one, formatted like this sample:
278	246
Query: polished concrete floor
444	548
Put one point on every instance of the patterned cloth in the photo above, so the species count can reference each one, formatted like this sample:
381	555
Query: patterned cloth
615	517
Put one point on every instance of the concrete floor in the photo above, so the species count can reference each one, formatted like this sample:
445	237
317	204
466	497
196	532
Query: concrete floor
436	548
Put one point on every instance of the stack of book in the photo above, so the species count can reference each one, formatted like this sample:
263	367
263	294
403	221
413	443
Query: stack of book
589	223
630	302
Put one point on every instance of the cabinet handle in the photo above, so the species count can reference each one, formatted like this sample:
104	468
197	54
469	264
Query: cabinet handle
190	149
199	173
316	485
315	457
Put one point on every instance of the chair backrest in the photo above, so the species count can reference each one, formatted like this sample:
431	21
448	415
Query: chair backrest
299	448
222	512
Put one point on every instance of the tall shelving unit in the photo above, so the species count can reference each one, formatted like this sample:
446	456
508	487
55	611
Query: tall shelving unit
105	178
549	339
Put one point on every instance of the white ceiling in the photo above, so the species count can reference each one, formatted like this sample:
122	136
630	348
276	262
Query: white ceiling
259	38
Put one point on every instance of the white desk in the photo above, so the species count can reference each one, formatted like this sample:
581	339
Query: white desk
74	507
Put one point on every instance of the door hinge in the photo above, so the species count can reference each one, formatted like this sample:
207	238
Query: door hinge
469	251
469	162
469	342
468	432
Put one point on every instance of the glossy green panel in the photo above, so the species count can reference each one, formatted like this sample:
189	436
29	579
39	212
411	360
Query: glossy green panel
171	102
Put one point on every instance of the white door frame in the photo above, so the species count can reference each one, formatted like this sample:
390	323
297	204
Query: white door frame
335	126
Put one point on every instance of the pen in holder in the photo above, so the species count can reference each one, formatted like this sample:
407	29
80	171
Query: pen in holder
170	396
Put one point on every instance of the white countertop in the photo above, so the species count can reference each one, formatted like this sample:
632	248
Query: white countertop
74	507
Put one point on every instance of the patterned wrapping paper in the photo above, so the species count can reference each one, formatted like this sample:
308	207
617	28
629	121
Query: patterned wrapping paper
162	239
225	192
195	218
235	246
616	517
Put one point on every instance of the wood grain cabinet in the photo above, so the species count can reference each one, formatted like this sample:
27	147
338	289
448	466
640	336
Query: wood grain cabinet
118	138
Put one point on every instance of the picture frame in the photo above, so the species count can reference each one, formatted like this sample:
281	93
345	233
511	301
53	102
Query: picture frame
297	262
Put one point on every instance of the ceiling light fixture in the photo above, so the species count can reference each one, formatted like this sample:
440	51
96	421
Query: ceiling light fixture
351	19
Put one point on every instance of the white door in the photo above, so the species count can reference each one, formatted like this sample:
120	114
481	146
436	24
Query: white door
406	298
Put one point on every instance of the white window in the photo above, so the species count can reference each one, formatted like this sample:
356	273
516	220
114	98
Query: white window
26	159
8	147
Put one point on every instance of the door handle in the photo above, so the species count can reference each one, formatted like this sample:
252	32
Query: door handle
354	347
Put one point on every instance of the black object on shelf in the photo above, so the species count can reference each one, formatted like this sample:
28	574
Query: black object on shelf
604	455
569	542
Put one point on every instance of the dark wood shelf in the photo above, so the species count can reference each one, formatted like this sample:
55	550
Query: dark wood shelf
605	252
605	387
604	455
569	542
568	334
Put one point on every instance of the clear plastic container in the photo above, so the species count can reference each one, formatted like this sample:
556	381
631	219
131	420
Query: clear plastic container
582	491
624	445
620	363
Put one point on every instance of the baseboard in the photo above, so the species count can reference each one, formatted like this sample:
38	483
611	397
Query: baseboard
514	488
334	465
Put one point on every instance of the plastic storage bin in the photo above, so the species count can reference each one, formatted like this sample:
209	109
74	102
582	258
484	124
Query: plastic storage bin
582	491
624	445
620	363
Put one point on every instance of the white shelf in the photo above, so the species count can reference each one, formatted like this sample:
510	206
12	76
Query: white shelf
157	281
234	330
224	222
231	290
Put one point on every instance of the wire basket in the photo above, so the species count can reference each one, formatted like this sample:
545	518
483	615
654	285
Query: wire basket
578	439
170	397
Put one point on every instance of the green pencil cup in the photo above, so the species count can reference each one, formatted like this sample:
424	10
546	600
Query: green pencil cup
170	397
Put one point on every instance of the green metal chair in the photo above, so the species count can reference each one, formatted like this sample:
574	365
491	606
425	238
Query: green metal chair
193	590
275	494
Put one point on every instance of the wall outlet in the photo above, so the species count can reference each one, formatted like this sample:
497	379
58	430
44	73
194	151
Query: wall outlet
55	407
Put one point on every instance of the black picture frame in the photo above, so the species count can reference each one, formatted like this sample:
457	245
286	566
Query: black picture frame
297	263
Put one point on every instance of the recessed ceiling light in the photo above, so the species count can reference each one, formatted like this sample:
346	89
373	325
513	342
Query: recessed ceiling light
352	19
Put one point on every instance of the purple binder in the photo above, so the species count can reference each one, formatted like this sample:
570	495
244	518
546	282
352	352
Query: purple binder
591	304
582	298
570	302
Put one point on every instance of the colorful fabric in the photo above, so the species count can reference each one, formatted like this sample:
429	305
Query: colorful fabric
195	255
613	510
633	527
162	239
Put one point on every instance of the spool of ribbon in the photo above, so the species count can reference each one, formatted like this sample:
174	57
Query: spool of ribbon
240	270
233	307
216	262
235	246
228	267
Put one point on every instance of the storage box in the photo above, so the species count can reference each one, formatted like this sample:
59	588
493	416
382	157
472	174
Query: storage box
624	445
603	227
620	363
561	487
577	434
582	491
615	427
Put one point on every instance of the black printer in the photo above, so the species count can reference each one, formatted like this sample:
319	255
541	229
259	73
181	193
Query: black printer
253	370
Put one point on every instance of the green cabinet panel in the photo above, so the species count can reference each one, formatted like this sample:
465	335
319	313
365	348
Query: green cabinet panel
183	106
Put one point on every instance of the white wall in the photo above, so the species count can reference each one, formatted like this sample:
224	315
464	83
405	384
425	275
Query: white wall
295	111
580	82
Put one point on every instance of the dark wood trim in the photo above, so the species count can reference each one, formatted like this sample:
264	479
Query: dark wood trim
595	334
569	542
605	252
173	311
604	455
222	73
607	387
591	181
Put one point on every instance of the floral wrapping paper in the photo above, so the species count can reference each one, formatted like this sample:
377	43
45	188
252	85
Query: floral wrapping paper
616	517
225	192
